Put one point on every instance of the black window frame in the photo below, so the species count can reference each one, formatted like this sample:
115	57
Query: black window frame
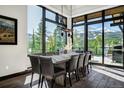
56	21
103	20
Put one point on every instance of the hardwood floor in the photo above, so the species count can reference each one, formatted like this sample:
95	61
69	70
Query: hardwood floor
99	77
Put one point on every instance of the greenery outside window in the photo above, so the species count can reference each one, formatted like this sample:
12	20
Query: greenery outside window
54	40
34	29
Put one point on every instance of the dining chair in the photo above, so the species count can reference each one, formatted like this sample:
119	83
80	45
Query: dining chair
71	66
49	71
90	59
36	68
80	64
86	64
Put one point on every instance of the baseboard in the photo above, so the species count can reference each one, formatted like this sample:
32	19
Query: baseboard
14	75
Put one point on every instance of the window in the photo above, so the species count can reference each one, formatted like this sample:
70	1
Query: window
50	15
94	16
54	40
62	20
55	37
78	38
104	35
95	41
78	20
113	37
34	29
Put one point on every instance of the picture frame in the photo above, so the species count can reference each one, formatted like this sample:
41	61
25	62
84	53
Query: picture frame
8	30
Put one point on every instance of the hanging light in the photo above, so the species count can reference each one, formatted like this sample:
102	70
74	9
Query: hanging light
69	35
67	30
62	34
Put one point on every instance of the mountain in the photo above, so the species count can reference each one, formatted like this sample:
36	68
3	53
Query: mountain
107	35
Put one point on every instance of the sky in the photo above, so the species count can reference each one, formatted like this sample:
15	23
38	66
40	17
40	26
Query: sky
34	17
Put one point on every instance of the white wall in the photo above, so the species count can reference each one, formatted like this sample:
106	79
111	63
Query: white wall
13	58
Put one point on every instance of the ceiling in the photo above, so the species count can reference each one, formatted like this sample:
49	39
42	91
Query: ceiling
77	9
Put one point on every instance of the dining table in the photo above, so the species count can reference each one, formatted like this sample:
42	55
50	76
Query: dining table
60	61
61	58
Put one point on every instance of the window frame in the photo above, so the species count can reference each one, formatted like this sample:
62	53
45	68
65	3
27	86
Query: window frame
103	20
56	21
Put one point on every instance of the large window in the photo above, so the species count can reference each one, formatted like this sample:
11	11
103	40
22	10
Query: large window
54	39
78	33
45	30
34	29
113	37
55	36
95	41
78	38
50	15
95	35
103	35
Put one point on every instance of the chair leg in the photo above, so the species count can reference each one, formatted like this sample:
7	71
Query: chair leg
88	69
31	79
90	65
39	80
45	83
42	81
52	83
76	75
84	71
65	80
70	79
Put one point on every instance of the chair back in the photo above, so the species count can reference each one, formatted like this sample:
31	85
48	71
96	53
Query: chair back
81	60
47	66
36	68
87	58
73	62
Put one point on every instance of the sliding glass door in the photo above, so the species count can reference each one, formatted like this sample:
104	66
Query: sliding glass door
103	35
113	43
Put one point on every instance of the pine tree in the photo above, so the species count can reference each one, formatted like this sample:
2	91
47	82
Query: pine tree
37	39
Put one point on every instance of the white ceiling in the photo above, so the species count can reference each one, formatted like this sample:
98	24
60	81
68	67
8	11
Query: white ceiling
77	9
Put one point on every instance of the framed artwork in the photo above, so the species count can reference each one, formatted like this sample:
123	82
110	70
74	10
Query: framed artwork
8	30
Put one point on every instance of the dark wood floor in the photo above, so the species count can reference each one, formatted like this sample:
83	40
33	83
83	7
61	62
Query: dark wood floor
99	77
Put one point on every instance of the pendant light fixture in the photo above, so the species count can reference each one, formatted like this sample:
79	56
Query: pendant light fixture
67	30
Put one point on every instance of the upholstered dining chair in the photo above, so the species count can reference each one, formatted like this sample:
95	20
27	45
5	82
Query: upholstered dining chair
49	71
71	66
87	62
80	64
36	68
